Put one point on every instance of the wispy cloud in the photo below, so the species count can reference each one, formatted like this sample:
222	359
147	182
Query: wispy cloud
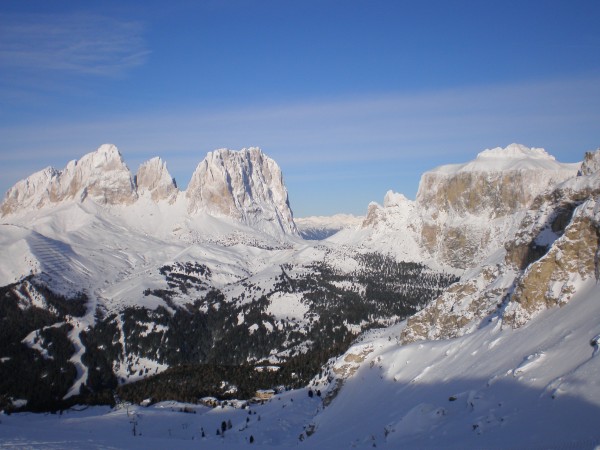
387	140
76	43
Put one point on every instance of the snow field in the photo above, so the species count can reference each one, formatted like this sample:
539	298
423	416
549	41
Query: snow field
539	388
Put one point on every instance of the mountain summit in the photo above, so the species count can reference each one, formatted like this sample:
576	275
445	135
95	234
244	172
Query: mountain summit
245	186
101	176
464	212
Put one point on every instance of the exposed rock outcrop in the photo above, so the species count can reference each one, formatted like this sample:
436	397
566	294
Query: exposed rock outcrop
591	163
101	176
468	209
244	185
555	247
153	177
553	279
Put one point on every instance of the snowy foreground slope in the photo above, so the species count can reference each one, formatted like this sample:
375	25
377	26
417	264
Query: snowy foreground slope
533	387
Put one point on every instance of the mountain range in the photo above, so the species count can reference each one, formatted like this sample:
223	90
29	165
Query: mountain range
472	305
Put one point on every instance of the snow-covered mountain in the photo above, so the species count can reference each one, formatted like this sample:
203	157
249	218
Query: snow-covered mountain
464	212
222	257
153	177
111	286
101	176
553	249
244	186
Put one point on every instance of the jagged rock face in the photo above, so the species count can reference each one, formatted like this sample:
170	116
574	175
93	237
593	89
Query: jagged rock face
591	163
552	280
397	211
466	208
462	307
101	176
556	246
244	185
154	178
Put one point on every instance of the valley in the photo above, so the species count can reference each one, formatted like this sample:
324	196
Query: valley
459	315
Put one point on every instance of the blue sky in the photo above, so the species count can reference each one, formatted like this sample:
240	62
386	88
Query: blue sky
351	98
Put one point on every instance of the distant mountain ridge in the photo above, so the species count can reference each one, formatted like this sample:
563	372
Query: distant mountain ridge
322	227
465	211
245	186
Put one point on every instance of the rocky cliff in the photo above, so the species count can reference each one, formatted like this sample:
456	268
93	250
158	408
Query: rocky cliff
101	176
554	250
244	185
468	209
465	212
154	178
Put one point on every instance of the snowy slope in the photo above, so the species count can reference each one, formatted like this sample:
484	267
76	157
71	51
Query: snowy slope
533	387
507	357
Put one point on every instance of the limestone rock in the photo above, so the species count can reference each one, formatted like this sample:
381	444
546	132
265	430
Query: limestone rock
246	186
467	209
591	163
552	280
153	177
101	176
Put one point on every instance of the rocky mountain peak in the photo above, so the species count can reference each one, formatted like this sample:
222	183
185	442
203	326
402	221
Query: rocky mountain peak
154	177
553	251
100	175
244	185
464	206
590	164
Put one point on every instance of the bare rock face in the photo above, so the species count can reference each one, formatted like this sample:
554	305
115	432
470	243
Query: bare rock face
154	178
555	248
101	176
499	182
32	192
463	306
467	208
591	163
397	212
246	186
552	280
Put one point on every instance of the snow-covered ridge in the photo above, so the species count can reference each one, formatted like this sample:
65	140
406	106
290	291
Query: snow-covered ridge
515	151
245	186
512	157
101	176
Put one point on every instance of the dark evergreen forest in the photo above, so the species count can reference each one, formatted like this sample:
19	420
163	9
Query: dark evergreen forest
202	340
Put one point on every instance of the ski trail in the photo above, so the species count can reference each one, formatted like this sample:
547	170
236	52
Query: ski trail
57	259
